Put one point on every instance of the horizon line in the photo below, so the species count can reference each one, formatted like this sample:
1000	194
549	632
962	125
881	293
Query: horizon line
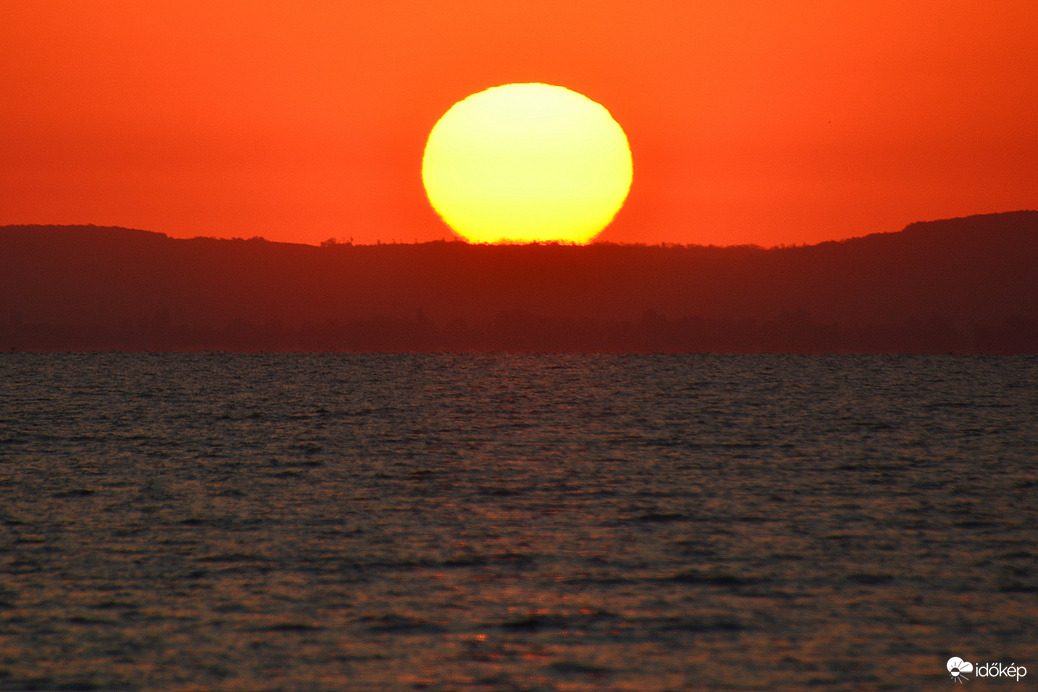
348	242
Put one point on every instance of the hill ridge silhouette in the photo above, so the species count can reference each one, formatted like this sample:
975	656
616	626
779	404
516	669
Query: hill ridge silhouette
964	285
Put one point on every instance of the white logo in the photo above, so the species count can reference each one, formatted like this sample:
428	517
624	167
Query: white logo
957	667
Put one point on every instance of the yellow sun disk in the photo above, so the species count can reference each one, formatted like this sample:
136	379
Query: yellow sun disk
527	162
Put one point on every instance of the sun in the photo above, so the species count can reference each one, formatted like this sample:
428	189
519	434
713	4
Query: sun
525	163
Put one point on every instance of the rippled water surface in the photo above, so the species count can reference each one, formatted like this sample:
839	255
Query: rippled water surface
505	522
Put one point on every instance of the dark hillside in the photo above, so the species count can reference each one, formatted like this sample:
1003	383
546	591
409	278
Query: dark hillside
961	285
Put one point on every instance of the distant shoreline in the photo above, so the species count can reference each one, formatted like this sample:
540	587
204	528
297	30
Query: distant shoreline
967	285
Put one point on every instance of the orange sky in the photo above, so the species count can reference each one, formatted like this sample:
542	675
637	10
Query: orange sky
750	122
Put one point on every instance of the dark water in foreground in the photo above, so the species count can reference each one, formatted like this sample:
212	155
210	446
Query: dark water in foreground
504	522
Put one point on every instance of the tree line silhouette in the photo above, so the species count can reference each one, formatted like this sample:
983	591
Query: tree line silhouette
965	285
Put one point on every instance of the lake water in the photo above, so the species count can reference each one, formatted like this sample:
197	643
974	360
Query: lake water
516	522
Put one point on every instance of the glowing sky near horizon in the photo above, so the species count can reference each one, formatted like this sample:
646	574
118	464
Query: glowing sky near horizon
763	122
